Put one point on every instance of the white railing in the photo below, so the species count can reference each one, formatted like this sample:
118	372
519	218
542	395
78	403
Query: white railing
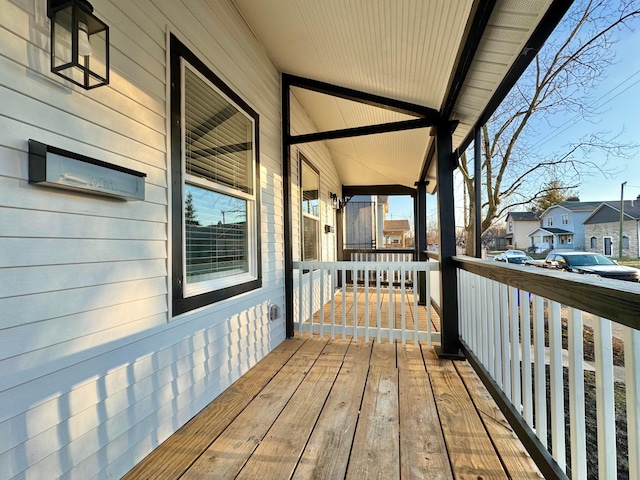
369	307
505	328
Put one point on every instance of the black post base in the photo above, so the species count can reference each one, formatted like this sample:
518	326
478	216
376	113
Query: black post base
442	355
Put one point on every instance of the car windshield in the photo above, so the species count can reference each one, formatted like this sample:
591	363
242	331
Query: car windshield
588	259
518	260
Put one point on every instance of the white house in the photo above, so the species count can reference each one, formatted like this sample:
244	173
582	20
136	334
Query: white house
519	224
561	226
150	225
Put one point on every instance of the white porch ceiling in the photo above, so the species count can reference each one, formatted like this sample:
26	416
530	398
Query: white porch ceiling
401	49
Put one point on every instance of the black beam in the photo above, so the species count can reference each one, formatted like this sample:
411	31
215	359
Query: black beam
420	214
287	207
362	97
539	454
477	180
351	190
360	131
449	340
474	31
549	22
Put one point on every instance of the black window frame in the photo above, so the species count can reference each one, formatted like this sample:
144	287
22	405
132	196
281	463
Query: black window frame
181	303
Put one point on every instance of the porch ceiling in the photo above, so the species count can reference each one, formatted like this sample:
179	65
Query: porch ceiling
406	50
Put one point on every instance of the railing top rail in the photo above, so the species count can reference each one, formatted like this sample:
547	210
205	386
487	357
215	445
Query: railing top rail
373	265
379	250
615	300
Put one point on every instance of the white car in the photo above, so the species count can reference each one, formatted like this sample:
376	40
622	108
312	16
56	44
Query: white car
517	257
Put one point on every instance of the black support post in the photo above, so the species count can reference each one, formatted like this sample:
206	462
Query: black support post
449	341
477	180
421	238
287	209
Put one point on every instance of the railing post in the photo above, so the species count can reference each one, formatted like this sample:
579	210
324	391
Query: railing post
446	165
420	207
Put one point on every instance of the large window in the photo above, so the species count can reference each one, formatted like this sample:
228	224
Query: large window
310	208
215	198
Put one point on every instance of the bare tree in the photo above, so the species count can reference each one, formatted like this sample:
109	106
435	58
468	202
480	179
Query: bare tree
560	80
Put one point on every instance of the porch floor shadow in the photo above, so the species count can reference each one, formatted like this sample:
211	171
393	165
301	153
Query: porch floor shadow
331	409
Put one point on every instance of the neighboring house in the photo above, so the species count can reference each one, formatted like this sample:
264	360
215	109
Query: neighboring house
519	224
561	227
396	233
602	229
364	221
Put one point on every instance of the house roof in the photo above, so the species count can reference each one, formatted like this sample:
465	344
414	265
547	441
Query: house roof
457	58
523	216
553	231
631	209
396	225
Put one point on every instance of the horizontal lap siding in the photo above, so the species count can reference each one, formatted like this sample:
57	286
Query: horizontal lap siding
93	373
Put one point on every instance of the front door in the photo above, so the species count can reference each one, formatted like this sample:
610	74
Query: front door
607	246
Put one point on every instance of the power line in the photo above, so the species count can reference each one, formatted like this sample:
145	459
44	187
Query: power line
571	121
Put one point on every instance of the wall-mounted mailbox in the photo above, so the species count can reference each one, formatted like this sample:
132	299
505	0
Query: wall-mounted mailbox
54	167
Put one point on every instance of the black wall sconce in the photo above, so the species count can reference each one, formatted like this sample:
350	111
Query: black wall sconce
336	203
79	43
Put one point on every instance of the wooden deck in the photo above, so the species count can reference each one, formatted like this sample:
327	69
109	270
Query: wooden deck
323	409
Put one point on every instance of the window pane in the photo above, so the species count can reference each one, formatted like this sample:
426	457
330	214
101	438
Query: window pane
310	196
310	246
215	234
219	136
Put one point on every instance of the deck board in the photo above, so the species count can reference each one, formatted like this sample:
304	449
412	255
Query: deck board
335	409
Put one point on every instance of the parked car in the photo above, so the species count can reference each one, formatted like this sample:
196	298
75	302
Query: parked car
513	256
588	263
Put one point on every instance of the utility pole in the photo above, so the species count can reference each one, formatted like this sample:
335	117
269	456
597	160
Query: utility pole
621	219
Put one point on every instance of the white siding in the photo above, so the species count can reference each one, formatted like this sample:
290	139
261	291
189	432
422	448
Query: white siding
93	372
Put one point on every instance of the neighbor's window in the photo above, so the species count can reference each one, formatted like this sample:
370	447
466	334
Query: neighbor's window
565	219
511	226
310	207
625	243
594	242
549	221
215	210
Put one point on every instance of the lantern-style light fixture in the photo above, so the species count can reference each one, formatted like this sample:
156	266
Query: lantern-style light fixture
336	203
79	43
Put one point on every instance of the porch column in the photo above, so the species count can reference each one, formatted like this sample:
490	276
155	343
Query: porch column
420	214
450	342
477	180
287	209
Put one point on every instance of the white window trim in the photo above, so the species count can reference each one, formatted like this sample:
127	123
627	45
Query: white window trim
302	158
198	288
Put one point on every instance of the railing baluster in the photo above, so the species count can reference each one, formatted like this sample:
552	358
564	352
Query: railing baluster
427	289
322	302
576	395
333	302
605	405
391	312
477	344
516	392
402	295
540	369
300	301
416	314
355	305
366	304
525	329
311	302
487	325
556	387
632	383
344	302
498	357
506	357
379	307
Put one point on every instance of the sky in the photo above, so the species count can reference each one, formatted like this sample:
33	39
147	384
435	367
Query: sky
618	99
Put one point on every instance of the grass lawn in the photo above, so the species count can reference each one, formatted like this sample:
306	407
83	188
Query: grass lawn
631	262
